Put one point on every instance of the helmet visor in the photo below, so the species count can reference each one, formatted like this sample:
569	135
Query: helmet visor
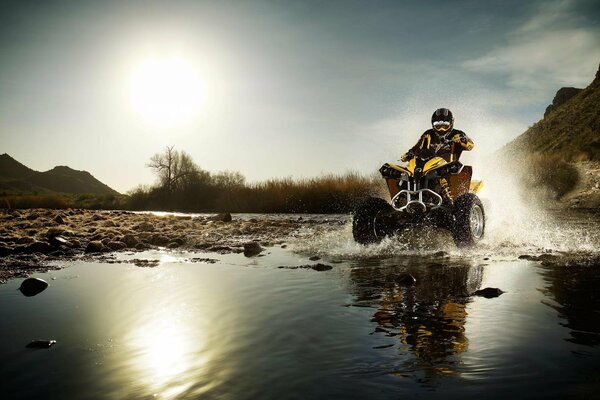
441	125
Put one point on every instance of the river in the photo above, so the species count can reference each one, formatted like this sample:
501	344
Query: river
237	327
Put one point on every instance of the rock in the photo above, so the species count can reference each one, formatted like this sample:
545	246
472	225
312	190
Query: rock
32	286
141	246
173	245
5	250
406	279
488	292
321	267
58	241
129	240
94	246
58	219
440	254
316	267
562	96
252	249
314	258
25	240
116	245
527	257
38	247
54	231
40	344
159	240
224	217
144	227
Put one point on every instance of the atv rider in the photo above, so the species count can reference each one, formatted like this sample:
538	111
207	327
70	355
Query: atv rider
450	143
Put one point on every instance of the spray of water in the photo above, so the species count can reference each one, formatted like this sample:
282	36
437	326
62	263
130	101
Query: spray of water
516	224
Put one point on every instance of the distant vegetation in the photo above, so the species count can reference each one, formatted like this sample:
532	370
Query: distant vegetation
183	186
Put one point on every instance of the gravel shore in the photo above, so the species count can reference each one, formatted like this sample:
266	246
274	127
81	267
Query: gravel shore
33	240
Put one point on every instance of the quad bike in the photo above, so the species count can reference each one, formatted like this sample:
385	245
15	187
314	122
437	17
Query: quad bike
427	190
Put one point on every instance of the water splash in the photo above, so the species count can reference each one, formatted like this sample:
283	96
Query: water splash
516	223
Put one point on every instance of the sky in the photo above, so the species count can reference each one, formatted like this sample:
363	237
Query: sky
277	88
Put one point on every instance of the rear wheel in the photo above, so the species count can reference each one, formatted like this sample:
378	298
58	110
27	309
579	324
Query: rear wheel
368	224
469	220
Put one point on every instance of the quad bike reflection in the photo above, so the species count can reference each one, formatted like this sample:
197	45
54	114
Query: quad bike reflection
428	189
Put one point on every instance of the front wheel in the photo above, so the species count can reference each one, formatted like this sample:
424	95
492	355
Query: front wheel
365	227
469	220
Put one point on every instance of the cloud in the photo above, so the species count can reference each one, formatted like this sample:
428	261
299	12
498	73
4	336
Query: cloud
552	49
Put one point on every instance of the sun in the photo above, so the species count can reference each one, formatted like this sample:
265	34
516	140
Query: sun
166	91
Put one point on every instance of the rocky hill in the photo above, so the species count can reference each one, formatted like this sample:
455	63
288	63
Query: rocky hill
16	178
570	127
11	169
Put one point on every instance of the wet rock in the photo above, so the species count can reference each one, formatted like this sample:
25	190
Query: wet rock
223	217
252	249
40	344
58	219
488	292
219	249
145	263
314	258
441	254
94	246
316	267
32	286
203	260
173	245
141	246
527	257
406	279
321	267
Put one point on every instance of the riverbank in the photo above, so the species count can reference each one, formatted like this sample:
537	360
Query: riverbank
31	240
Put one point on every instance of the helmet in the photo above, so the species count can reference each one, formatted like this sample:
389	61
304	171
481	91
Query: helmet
442	120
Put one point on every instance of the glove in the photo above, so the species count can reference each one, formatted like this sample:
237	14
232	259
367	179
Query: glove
407	156
457	138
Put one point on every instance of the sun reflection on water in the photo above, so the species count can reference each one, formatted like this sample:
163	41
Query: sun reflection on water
166	351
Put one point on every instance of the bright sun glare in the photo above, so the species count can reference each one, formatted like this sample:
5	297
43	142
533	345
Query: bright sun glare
166	92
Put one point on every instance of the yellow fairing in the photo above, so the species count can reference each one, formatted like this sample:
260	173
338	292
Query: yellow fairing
406	169
412	164
433	164
476	186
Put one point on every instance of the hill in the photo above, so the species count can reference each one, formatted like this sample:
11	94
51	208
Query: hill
570	128
11	169
16	178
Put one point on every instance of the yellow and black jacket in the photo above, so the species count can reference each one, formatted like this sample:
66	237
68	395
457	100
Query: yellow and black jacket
449	153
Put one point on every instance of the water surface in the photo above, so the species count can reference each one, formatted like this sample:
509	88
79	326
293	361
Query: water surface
242	328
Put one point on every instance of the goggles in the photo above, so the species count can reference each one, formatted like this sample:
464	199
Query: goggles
441	125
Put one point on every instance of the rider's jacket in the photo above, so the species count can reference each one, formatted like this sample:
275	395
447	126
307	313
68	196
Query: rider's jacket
451	151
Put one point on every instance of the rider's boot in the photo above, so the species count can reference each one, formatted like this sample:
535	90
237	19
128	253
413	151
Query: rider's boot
446	191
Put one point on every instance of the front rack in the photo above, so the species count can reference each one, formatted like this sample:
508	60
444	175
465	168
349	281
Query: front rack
416	205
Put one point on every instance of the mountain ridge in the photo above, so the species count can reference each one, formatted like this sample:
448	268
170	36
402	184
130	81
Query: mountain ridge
16	177
570	127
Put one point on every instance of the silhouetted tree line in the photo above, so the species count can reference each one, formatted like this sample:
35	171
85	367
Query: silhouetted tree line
183	186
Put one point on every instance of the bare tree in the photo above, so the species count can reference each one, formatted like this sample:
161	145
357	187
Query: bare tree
174	168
